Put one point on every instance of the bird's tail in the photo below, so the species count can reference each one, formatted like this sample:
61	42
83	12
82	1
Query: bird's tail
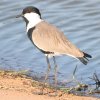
84	59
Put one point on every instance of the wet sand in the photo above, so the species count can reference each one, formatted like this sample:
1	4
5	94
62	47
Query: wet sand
16	87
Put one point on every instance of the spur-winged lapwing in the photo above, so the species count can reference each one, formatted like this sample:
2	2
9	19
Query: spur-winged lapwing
49	39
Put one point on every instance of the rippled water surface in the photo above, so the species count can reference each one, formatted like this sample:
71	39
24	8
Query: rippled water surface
78	19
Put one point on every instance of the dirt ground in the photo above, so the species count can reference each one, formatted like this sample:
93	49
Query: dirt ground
14	87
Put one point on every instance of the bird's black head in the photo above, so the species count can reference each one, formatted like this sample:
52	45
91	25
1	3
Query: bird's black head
30	14
31	9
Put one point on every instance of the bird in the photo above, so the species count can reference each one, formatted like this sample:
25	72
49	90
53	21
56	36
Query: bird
50	40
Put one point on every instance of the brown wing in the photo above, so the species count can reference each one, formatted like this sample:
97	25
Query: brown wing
48	38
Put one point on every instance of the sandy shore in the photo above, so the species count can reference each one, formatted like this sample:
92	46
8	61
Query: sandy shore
15	87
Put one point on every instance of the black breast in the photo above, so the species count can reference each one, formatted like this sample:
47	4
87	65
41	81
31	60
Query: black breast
29	33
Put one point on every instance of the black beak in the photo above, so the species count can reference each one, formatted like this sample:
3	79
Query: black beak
19	16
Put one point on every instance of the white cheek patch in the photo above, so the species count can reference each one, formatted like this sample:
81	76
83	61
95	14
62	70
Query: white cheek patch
33	19
30	16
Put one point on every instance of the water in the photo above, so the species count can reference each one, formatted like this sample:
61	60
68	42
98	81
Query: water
78	19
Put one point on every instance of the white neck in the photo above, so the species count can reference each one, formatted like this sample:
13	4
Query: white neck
33	19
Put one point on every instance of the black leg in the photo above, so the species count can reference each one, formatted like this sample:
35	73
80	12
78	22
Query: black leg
47	73
55	73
